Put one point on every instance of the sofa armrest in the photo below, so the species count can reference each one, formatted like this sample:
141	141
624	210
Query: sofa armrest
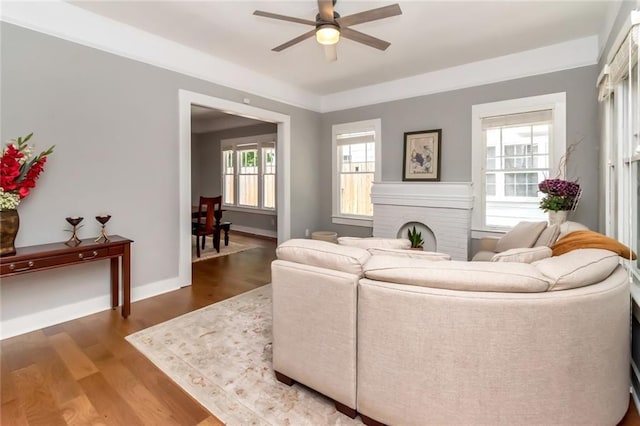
488	244
314	328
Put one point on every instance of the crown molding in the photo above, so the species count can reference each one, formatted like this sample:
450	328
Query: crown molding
63	20
557	57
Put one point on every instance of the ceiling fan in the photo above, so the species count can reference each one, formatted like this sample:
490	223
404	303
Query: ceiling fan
330	26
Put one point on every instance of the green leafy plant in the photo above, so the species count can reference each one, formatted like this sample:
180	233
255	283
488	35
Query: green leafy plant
415	237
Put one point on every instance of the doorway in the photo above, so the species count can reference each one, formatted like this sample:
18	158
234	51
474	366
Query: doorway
283	122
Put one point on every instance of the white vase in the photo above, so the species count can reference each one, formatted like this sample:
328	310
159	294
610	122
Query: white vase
557	218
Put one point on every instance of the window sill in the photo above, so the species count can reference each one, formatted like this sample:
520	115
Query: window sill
487	232
353	221
250	210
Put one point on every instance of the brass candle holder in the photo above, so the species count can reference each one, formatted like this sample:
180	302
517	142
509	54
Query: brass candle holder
103	219
74	221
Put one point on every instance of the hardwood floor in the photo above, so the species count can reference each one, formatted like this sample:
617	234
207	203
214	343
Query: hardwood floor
83	372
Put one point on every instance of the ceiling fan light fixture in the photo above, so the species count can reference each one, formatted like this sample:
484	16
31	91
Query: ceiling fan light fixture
327	34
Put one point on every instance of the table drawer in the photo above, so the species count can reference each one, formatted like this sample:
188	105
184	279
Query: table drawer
53	261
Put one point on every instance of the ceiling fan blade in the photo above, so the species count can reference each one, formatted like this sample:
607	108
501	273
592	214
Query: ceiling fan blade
325	7
370	15
296	40
330	52
284	18
364	38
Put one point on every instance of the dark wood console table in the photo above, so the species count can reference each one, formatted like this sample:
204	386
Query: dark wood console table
56	255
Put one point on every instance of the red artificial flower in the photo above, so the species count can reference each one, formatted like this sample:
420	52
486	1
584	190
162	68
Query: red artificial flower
17	174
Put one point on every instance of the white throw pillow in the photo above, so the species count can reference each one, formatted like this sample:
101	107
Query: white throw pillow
549	236
523	235
523	255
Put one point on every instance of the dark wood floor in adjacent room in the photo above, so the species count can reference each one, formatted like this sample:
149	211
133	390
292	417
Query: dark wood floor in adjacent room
84	372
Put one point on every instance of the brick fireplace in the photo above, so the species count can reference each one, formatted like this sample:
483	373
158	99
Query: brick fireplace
444	208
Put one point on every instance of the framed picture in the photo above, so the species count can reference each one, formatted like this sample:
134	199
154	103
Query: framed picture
422	155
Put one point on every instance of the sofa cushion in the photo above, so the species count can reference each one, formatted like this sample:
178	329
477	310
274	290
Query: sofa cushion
483	256
374	242
578	268
591	239
522	255
457	275
413	254
548	236
324	255
569	227
523	235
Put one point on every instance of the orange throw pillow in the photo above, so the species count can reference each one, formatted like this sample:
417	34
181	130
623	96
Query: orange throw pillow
590	239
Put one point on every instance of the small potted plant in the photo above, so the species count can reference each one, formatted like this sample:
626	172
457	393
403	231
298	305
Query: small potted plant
416	238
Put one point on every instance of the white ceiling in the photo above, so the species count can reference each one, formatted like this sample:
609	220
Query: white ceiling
428	36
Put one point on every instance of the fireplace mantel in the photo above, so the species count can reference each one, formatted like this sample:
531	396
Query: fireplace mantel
454	195
443	207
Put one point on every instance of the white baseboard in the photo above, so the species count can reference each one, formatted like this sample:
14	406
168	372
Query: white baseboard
255	231
37	320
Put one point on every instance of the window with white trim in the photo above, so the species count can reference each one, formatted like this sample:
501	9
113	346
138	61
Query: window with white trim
249	172
619	91
515	145
356	165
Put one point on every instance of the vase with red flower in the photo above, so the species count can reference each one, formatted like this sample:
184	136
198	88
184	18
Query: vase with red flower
19	170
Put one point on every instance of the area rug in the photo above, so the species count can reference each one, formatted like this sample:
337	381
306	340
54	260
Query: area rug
209	252
221	355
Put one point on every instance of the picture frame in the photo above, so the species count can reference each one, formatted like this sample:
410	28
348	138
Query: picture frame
421	155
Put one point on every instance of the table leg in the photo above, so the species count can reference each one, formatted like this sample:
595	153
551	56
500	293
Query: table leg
126	280
115	291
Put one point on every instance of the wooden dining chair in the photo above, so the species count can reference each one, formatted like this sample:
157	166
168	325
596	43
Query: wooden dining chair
206	223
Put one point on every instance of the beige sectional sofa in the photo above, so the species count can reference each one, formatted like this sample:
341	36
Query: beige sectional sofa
405	337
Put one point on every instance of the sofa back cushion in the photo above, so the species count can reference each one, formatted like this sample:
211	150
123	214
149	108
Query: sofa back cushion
457	275
413	254
523	235
578	268
373	242
522	255
324	255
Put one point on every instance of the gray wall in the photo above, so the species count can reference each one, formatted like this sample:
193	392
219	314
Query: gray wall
114	122
451	112
205	157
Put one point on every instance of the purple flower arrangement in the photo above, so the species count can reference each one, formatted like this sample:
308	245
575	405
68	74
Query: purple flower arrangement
560	194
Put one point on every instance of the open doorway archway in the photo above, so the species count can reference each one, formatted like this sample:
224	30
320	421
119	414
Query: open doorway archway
283	186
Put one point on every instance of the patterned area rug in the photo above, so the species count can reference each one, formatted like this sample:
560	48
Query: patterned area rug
209	252
221	355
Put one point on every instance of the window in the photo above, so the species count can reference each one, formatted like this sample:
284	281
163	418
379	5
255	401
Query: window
356	159
516	144
249	172
619	90
228	178
269	177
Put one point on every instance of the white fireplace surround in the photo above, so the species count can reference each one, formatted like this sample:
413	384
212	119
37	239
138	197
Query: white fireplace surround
443	207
